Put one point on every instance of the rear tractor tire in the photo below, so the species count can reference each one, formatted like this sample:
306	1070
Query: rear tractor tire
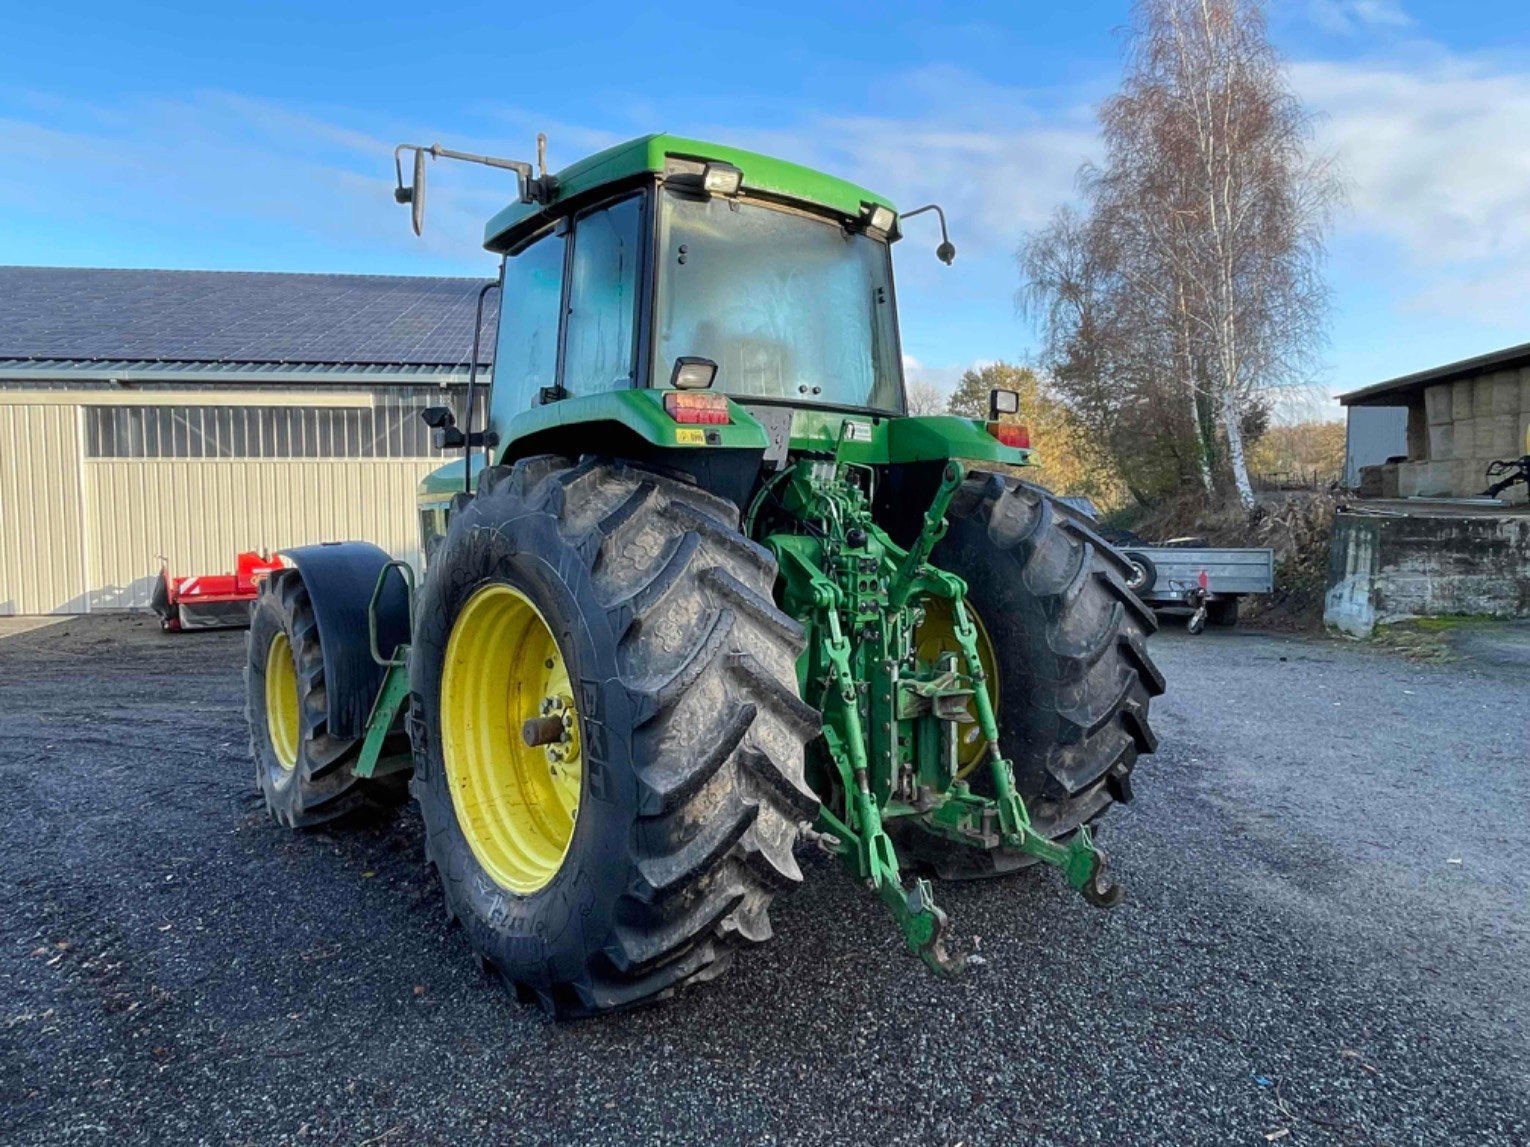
303	771
607	733
1070	678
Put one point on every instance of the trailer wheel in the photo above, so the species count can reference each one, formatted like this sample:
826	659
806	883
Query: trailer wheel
1223	612
1074	679
1143	572
304	773
607	734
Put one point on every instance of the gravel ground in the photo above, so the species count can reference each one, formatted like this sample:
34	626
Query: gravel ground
1326	933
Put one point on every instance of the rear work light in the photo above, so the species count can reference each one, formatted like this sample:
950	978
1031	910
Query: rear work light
1011	435
695	408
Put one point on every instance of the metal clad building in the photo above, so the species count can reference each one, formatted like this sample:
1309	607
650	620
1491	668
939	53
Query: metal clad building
193	414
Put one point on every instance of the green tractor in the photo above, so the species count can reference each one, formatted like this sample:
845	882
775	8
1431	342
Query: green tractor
699	590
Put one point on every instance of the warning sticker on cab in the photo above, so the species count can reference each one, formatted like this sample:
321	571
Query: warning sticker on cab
690	436
857	431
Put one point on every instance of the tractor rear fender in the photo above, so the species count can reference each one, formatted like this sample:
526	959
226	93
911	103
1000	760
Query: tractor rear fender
630	424
340	578
635	414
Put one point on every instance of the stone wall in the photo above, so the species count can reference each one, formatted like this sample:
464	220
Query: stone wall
1383	569
1465	425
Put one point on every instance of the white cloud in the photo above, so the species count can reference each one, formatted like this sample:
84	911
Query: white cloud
216	163
997	158
943	377
1355	16
1438	157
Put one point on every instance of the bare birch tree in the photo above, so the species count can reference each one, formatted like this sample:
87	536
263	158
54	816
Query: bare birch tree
1191	290
925	398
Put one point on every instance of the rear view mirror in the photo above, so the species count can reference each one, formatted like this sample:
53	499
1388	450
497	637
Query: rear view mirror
443	423
417	198
414	194
946	252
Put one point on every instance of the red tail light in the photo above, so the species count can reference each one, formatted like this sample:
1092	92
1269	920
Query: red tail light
693	408
1011	435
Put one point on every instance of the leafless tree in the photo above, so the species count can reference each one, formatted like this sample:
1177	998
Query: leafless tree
925	398
1191	288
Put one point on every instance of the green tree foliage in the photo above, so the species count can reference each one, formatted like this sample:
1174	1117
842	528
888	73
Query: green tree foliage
1070	462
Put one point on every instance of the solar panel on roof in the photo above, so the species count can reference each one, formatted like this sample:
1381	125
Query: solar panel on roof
244	316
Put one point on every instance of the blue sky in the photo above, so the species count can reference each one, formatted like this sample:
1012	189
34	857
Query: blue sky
258	136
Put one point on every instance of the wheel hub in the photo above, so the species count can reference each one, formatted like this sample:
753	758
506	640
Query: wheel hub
282	720
510	739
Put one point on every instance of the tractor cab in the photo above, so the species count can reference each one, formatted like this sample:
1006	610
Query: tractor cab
664	255
671	294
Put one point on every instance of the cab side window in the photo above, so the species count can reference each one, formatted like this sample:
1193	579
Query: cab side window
600	353
526	348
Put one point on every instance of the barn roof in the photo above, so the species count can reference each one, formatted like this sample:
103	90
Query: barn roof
67	321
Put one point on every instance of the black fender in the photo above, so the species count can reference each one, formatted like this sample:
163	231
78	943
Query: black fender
340	578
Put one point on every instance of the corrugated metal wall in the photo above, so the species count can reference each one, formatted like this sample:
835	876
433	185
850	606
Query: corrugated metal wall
80	532
42	565
200	513
1374	434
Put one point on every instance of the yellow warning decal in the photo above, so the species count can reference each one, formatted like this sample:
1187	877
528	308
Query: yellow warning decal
690	436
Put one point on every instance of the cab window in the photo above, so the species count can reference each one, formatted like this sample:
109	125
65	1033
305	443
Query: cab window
600	352
526	348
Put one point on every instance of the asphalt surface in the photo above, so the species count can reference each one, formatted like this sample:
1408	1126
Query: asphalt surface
1326	933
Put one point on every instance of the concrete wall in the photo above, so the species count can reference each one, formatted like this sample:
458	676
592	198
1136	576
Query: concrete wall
1386	569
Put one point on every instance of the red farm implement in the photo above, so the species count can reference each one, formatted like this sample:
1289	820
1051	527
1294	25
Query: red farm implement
210	601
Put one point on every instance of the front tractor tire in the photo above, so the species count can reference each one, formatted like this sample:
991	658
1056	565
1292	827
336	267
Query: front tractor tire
1069	642
302	770
607	733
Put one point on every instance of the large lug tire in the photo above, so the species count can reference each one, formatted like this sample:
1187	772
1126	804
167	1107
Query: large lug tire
690	729
303	772
1075	678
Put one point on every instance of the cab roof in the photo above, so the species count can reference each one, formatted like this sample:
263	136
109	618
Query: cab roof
763	175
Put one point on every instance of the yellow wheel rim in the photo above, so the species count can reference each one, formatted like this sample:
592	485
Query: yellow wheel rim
516	803
282	702
937	635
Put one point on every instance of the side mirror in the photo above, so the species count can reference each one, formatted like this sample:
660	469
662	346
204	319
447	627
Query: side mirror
417	194
414	194
440	419
946	252
1002	402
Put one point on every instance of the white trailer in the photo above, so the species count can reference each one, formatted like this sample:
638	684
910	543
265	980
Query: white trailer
1192	576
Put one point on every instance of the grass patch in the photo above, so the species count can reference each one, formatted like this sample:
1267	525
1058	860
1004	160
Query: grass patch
1426	639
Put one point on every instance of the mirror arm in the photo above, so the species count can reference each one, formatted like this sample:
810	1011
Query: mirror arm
946	252
532	189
